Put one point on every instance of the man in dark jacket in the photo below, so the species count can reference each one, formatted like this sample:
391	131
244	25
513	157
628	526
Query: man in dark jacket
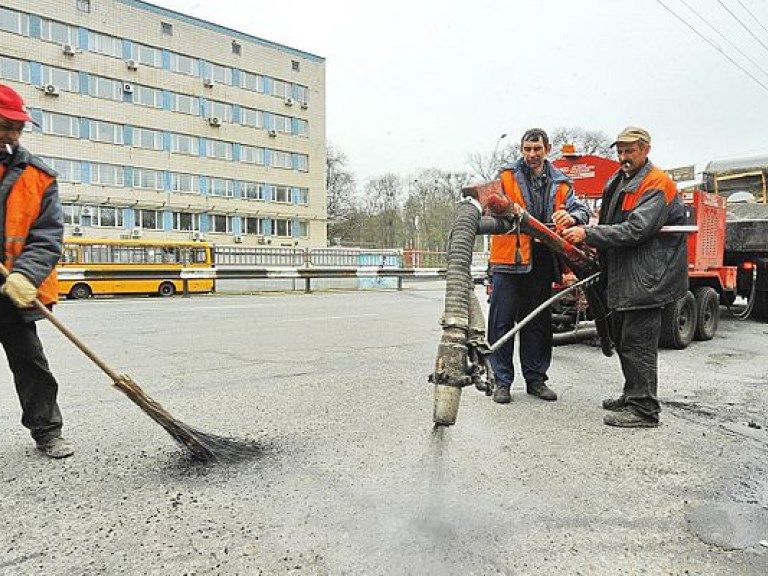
31	230
643	270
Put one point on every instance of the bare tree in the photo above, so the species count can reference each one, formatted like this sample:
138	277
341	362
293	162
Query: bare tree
594	142
341	196
486	166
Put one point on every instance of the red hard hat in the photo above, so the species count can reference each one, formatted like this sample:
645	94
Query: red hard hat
12	105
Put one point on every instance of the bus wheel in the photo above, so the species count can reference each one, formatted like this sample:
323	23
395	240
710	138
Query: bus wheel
166	289
678	323
80	291
708	312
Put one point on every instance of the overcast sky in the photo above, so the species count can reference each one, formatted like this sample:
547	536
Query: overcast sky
420	84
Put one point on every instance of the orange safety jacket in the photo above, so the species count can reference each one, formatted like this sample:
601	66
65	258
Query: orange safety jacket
22	209
656	179
504	248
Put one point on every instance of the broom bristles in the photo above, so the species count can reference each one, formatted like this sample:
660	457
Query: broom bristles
203	447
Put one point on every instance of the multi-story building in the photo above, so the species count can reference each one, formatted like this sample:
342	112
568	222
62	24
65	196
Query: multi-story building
166	126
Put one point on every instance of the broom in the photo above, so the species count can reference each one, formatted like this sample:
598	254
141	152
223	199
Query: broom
203	447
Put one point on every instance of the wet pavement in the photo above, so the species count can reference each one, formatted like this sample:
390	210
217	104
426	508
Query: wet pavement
350	477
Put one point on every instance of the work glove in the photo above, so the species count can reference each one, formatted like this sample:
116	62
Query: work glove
19	289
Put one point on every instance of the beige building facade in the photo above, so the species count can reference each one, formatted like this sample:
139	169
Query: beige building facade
163	126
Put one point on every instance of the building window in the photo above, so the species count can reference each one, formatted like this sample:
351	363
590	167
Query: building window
222	187
185	64
12	69
302	127
12	21
148	219
219	149
185	104
147	179
186	183
304	196
61	125
146	96
221	223
166	28
107	175
67	80
302	94
147	55
84	5
100	87
108	217
103	44
146	138
220	74
237	48
280	88
221	110
281	159
281	194
253	191
302	162
251	117
295	65
72	214
252	155
184	144
68	170
58	32
254	226
282	227
282	124
186	221
251	81
303	229
106	132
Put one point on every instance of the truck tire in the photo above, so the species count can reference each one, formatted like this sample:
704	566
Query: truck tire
707	312
678	323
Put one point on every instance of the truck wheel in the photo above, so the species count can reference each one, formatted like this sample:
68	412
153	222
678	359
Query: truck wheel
707	312
80	291
678	323
166	289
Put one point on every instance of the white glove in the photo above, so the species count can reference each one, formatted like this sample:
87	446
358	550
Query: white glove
19	289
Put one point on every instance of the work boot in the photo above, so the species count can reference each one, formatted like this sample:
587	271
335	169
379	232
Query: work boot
629	419
541	390
614	404
56	447
501	395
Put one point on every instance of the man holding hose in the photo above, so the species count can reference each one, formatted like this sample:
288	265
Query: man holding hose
31	228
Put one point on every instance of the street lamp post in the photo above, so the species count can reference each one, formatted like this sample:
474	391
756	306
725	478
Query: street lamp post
495	164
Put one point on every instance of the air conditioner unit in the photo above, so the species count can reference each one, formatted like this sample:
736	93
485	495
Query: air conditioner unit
304	105
77	230
238	238
85	211
272	133
197	235
51	89
132	64
68	49
289	101
214	121
262	240
136	233
208	82
127	87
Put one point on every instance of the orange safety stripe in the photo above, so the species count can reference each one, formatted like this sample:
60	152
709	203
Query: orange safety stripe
656	179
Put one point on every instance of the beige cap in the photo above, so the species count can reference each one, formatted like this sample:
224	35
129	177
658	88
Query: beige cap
632	134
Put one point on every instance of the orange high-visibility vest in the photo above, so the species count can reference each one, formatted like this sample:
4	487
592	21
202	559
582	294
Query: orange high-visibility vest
656	179
22	208
504	247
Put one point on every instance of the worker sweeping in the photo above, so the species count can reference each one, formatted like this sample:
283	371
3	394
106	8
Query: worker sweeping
31	228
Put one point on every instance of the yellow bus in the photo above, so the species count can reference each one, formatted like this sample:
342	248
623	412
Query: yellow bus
98	266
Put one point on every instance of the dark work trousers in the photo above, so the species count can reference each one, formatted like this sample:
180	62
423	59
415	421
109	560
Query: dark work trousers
35	384
512	298
636	333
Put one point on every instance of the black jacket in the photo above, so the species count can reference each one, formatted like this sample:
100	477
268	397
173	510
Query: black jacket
641	267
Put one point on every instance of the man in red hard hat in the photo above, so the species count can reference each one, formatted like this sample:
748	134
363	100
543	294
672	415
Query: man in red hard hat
31	230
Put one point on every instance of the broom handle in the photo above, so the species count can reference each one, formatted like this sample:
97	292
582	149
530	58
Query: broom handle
69	335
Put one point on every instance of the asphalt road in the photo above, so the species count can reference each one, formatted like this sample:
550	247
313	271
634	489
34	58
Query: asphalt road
351	478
